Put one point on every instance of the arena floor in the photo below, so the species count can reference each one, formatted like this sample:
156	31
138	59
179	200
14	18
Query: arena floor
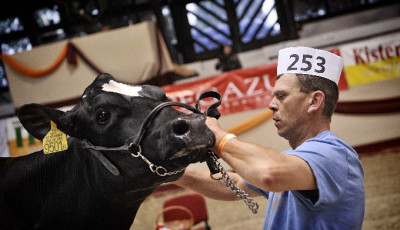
382	184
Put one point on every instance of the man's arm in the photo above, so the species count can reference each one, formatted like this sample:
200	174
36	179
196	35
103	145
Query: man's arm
262	167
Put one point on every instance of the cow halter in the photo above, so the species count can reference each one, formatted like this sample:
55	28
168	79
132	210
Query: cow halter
132	144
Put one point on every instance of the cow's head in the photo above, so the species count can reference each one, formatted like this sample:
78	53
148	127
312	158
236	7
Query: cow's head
110	112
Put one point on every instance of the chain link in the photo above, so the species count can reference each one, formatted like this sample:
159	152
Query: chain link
159	170
253	206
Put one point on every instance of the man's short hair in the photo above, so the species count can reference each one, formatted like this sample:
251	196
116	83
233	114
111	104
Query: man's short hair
310	83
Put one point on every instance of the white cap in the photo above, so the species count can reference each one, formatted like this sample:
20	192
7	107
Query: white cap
305	60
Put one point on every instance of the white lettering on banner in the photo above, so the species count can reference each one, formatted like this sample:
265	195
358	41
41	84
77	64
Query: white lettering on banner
251	92
253	84
231	89
365	54
267	83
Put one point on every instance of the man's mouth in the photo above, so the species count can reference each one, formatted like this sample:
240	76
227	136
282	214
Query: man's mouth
277	121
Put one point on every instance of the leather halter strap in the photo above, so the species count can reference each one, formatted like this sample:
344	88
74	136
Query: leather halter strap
132	144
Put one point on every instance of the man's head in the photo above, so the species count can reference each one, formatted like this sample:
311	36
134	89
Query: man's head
315	70
302	100
227	50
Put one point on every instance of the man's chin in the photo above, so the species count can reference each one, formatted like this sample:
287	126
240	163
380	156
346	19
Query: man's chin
281	133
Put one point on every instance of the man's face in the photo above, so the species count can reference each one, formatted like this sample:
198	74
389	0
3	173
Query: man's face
289	106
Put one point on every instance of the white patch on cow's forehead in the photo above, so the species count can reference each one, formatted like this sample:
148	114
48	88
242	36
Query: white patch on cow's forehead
116	87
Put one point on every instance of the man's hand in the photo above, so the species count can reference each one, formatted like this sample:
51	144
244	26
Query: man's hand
214	126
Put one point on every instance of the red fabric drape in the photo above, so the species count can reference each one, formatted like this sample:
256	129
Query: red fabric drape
387	105
75	50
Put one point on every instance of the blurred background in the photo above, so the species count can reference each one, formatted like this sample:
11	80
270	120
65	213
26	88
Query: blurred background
193	30
189	36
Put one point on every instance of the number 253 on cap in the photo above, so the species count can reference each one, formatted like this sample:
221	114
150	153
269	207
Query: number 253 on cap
305	60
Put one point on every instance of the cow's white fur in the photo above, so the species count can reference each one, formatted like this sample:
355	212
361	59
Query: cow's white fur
116	87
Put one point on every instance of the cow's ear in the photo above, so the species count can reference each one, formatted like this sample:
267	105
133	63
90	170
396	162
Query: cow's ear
36	119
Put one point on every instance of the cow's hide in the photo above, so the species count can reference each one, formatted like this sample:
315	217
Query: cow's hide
83	188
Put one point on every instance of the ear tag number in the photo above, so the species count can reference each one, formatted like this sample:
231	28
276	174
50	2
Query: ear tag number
55	140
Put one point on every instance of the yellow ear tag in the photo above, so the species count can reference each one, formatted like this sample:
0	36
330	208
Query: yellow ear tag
55	140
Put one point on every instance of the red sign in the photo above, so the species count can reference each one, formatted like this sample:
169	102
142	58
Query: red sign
342	81
241	90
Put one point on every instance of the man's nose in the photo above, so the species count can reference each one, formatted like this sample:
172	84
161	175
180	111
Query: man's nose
272	105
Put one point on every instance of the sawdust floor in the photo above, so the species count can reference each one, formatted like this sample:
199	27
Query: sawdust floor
382	184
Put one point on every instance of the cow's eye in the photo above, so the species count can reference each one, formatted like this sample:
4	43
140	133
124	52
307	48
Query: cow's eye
103	116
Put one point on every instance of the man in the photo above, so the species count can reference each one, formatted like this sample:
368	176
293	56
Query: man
227	60
318	184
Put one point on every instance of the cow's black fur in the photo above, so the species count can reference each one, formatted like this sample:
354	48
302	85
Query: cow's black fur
72	189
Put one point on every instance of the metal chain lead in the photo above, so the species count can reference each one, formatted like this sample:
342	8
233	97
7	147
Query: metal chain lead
159	170
253	206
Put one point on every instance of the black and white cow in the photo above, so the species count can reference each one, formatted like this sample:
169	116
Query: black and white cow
84	188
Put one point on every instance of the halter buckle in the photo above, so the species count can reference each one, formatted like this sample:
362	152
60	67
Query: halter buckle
138	153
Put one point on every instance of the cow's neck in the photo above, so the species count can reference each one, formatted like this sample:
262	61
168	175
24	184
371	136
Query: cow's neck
130	187
123	170
134	177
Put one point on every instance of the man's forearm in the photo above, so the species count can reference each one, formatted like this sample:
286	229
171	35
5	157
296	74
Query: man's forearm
201	182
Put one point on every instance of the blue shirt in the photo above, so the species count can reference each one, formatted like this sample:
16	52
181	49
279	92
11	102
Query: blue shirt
339	201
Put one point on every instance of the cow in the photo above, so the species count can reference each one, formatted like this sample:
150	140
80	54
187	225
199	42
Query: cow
119	150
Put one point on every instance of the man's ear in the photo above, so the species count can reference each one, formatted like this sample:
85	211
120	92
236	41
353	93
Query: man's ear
36	119
316	100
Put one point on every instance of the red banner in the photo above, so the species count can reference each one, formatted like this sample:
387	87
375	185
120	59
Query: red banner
342	85
241	90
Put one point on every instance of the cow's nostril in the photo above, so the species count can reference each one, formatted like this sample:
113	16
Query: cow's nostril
180	127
